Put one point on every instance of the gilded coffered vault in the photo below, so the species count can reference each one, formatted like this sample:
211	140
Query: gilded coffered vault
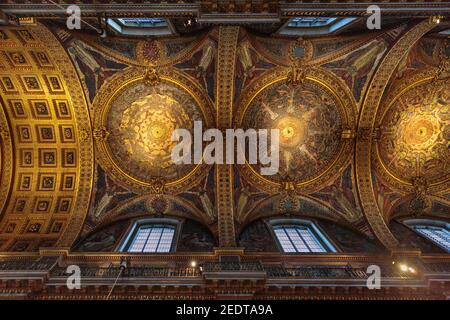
49	128
86	127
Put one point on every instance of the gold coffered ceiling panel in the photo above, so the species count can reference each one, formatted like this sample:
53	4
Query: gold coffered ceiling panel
42	98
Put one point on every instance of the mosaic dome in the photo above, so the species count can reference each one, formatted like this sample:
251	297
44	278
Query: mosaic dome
415	134
310	124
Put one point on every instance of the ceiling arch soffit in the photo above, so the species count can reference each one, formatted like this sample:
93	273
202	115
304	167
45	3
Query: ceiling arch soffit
51	133
366	129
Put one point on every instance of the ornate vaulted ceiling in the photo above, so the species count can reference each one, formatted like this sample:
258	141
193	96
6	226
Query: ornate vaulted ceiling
47	175
86	125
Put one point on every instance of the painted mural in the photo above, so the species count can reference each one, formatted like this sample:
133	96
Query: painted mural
357	67
348	240
195	238
309	123
103	240
411	239
257	237
342	196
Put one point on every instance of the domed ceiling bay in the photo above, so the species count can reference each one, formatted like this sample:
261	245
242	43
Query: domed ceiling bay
88	176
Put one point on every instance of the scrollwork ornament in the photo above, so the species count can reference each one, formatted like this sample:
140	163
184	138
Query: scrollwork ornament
420	201
151	76
4	133
301	50
100	134
288	203
158	185
443	71
84	135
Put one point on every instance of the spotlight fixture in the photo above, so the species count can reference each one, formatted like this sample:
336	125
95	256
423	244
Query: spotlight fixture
193	264
405	267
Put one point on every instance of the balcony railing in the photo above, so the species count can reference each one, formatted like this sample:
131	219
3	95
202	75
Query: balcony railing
132	272
280	270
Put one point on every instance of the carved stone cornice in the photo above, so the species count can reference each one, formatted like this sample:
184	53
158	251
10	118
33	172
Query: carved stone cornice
223	11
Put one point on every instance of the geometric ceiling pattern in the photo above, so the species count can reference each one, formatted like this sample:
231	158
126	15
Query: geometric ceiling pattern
48	126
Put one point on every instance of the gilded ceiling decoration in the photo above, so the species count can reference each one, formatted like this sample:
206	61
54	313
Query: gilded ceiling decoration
366	132
309	123
43	99
415	134
134	120
6	159
228	40
314	117
137	52
141	90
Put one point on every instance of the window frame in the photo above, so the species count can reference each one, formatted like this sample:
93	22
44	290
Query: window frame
162	29
412	223
131	233
312	225
338	24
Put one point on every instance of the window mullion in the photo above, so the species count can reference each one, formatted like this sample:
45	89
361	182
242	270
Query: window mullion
290	239
159	240
303	240
148	237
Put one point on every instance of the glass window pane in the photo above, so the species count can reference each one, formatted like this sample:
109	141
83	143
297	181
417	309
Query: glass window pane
166	240
439	235
311	241
152	238
139	240
298	238
284	240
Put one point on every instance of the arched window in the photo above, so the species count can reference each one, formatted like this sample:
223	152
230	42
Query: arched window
150	237
436	231
300	236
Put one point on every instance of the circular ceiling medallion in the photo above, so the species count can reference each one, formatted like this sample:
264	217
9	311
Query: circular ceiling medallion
137	119
311	119
415	134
